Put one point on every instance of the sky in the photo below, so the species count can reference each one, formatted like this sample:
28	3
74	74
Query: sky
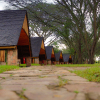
3	4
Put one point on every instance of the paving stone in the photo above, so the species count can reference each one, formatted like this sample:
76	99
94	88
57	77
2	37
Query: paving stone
93	96
80	96
50	95
4	75
75	78
8	95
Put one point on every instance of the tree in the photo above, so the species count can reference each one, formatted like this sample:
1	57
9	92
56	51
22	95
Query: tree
75	21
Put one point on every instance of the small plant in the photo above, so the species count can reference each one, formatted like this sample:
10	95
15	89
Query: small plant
22	93
40	70
76	91
42	76
3	78
62	81
11	74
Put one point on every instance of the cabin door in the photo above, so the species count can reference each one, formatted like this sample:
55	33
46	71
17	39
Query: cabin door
2	55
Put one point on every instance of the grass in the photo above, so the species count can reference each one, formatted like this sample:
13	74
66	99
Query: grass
4	68
22	94
76	91
92	74
3	78
62	81
24	65
78	65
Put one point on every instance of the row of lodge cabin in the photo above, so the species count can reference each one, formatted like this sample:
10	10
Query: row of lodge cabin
67	58
16	44
14	36
38	50
50	55
59	57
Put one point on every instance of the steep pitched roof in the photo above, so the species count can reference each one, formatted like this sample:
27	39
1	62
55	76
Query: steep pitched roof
36	45
65	57
49	51
11	22
57	55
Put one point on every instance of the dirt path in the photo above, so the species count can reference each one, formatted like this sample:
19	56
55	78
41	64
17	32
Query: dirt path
46	83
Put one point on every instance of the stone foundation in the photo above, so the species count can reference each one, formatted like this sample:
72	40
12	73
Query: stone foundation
49	62
57	62
12	57
28	61
2	63
36	61
45	62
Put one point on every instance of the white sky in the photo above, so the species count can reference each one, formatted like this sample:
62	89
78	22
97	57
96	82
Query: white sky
3	4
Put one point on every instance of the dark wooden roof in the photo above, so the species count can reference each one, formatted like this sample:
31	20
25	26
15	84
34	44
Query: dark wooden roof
65	57
48	51
11	22
57	55
36	45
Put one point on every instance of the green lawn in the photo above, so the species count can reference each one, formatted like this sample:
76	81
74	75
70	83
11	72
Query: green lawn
7	68
92	74
24	65
78	65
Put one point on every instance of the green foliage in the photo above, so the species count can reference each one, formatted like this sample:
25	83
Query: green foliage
7	68
56	47
78	65
92	74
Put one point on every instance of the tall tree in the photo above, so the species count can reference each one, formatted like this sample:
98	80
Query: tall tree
75	21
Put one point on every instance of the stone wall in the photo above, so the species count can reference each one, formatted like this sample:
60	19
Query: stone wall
57	62
36	60
28	61
12	57
45	62
49	62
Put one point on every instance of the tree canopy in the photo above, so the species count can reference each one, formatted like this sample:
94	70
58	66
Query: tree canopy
76	22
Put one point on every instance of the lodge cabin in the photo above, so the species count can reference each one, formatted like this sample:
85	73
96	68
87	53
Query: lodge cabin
14	37
67	59
50	55
38	50
59	57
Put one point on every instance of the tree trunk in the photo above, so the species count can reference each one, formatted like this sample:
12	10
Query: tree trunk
91	57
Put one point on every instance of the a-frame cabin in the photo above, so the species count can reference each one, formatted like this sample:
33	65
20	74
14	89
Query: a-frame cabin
67	58
38	50
59	57
14	36
50	55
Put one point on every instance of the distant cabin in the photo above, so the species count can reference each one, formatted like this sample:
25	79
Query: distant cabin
67	58
59	57
14	36
50	55
38	50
